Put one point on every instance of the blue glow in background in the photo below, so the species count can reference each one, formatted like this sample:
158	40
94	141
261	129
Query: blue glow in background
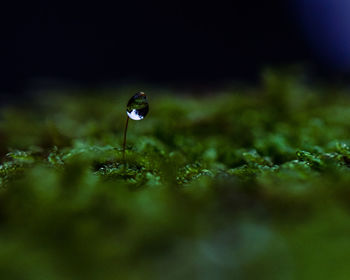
326	24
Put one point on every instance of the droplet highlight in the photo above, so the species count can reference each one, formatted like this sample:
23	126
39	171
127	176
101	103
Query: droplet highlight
137	107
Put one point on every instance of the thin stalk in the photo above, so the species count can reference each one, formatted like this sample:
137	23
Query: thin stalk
124	141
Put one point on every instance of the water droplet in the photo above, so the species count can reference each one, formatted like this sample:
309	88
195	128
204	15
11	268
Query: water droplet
137	107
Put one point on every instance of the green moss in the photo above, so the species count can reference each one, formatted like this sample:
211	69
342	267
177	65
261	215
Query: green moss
250	183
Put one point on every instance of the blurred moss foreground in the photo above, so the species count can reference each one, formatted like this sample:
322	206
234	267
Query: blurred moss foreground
244	184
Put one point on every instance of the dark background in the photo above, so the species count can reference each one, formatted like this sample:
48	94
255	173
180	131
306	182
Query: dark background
148	41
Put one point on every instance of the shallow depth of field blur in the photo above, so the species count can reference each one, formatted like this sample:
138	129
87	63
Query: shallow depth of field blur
253	183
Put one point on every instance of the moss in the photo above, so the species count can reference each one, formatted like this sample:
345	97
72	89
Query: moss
250	183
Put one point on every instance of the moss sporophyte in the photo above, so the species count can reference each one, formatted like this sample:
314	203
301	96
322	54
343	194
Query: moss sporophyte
136	109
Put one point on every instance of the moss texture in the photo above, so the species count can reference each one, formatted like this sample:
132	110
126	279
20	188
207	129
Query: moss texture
239	184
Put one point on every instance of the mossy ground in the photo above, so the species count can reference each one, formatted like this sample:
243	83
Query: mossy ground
239	184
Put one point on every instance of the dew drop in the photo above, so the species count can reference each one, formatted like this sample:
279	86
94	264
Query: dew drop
137	107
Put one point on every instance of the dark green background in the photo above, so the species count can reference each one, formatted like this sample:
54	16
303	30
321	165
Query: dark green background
250	184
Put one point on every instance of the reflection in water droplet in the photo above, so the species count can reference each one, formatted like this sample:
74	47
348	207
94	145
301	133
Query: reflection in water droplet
137	107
